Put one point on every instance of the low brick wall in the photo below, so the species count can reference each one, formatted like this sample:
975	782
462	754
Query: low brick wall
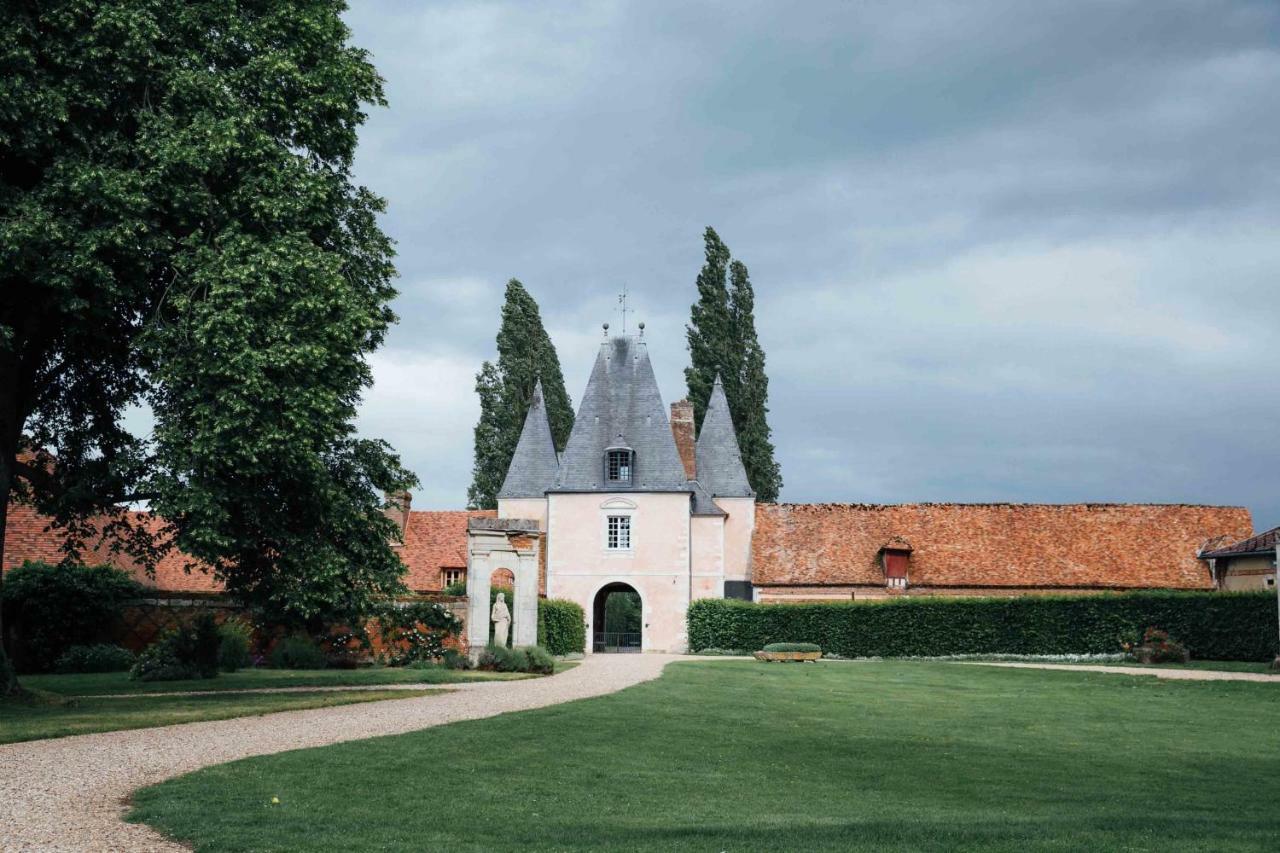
144	620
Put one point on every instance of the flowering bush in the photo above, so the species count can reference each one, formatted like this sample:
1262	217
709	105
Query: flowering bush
1158	647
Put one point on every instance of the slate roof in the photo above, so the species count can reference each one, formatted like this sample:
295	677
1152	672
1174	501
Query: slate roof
1263	543
622	407
534	465
702	502
1065	546
719	461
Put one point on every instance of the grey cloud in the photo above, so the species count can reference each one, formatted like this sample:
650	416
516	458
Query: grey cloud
1002	250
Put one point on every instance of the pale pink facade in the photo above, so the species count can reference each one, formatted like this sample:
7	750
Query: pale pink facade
625	507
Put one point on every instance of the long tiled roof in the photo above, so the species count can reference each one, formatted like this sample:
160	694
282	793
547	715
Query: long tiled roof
534	464
719	461
622	407
1097	546
436	540
1263	543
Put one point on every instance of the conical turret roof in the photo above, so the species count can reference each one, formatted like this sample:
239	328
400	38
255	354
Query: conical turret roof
718	458
534	465
622	407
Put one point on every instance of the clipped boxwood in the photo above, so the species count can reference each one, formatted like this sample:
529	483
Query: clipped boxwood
792	647
562	626
1212	625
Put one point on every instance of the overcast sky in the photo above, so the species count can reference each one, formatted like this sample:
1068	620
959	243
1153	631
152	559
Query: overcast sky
1001	251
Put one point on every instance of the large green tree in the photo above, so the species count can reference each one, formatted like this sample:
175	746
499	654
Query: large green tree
722	341
180	228
525	355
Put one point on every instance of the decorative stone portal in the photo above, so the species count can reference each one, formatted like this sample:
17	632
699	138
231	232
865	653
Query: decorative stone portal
617	619
502	543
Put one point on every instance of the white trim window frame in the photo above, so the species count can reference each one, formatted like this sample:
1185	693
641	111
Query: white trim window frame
618	533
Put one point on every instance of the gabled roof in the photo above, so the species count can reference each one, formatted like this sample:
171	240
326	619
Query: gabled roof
622	407
1263	543
719	461
435	540
534	464
1068	546
702	502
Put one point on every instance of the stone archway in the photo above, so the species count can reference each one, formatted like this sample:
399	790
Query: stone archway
510	544
617	619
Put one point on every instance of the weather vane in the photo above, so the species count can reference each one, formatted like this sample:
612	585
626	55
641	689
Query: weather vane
622	302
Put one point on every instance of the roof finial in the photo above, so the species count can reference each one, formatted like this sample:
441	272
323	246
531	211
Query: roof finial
606	330
642	328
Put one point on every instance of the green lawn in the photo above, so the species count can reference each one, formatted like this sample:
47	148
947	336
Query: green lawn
745	756
39	719
111	683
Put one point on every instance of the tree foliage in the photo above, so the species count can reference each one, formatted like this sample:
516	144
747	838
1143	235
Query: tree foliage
525	355
722	341
181	228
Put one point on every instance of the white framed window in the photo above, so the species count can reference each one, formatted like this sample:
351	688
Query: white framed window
452	576
618	533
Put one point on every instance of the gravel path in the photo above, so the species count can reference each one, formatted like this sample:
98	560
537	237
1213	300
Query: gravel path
1174	674
70	793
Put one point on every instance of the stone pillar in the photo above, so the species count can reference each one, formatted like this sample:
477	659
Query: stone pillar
478	572
525	607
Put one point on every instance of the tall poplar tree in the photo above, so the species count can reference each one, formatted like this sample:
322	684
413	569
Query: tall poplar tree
722	340
525	355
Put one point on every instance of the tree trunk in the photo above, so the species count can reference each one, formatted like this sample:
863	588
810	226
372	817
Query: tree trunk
8	678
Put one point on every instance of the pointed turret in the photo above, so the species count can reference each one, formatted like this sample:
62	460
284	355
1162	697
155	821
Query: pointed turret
719	460
622	411
534	465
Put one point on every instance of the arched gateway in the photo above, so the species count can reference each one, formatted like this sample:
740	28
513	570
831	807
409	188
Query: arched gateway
617	619
502	543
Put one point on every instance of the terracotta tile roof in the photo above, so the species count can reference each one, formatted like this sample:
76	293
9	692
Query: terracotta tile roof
1107	546
1263	543
28	537
436	540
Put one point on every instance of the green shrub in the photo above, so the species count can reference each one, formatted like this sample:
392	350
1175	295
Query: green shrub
562	626
189	651
793	647
520	659
49	609
1212	625
540	660
456	588
454	659
233	646
298	652
416	630
100	657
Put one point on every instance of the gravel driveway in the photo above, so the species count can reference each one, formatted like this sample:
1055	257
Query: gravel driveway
70	793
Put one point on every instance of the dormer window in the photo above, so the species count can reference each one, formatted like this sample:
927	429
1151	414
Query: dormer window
619	462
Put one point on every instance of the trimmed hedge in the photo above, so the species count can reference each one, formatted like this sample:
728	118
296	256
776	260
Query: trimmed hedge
562	626
1213	625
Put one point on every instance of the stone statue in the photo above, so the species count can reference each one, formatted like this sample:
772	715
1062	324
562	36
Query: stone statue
501	620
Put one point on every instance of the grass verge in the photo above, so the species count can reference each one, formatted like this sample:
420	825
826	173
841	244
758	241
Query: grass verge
48	715
115	683
742	756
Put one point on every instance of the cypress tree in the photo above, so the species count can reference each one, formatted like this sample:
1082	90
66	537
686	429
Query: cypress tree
710	330
722	340
525	354
751	414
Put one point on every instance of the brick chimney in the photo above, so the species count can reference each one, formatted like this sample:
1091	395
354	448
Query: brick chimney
682	431
398	510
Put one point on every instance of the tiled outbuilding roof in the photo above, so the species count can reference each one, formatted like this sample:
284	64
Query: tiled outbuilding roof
435	540
1263	543
1102	546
